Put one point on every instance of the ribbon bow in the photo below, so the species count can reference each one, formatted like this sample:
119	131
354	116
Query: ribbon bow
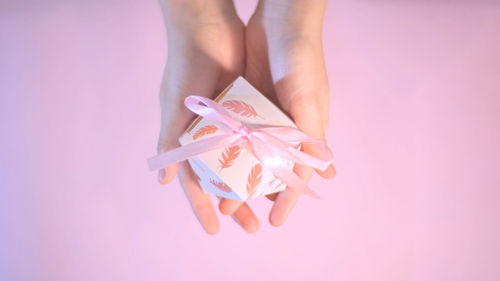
269	144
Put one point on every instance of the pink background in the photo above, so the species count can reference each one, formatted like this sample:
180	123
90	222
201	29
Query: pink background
416	133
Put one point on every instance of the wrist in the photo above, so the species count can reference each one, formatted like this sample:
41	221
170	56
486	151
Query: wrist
188	15
302	18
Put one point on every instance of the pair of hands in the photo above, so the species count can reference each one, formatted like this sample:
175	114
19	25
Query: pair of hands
279	52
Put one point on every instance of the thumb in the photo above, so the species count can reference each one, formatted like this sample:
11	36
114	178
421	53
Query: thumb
309	120
166	175
175	119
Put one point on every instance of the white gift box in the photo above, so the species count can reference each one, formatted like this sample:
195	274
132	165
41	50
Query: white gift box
234	172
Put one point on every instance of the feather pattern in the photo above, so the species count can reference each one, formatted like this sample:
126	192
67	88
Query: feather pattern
205	130
240	107
227	157
221	185
254	178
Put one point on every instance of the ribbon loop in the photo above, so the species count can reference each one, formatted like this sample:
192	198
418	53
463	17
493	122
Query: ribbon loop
212	111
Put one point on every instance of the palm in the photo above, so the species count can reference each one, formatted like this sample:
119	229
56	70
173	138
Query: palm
206	61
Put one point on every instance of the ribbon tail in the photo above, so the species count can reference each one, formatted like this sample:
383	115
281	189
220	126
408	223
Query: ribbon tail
293	181
190	150
291	135
311	161
285	150
272	160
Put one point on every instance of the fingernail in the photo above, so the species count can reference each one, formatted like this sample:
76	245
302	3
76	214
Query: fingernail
161	175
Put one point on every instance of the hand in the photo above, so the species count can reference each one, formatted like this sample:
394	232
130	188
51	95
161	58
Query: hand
284	60
205	54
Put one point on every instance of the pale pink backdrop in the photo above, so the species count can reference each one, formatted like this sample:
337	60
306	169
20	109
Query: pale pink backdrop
416	134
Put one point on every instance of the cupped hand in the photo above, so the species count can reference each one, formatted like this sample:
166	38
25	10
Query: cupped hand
205	54
284	60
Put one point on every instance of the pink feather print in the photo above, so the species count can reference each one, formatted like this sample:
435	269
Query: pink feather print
254	178
221	185
240	107
205	130
227	157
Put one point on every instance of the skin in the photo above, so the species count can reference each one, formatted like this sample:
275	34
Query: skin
279	52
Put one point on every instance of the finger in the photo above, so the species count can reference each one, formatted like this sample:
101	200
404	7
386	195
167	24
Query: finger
229	206
245	217
199	200
272	196
285	200
166	175
329	173
311	149
312	124
174	122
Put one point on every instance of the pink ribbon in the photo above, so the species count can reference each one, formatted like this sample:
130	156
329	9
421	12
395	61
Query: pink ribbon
270	144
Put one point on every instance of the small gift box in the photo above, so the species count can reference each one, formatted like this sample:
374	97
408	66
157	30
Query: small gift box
242	146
